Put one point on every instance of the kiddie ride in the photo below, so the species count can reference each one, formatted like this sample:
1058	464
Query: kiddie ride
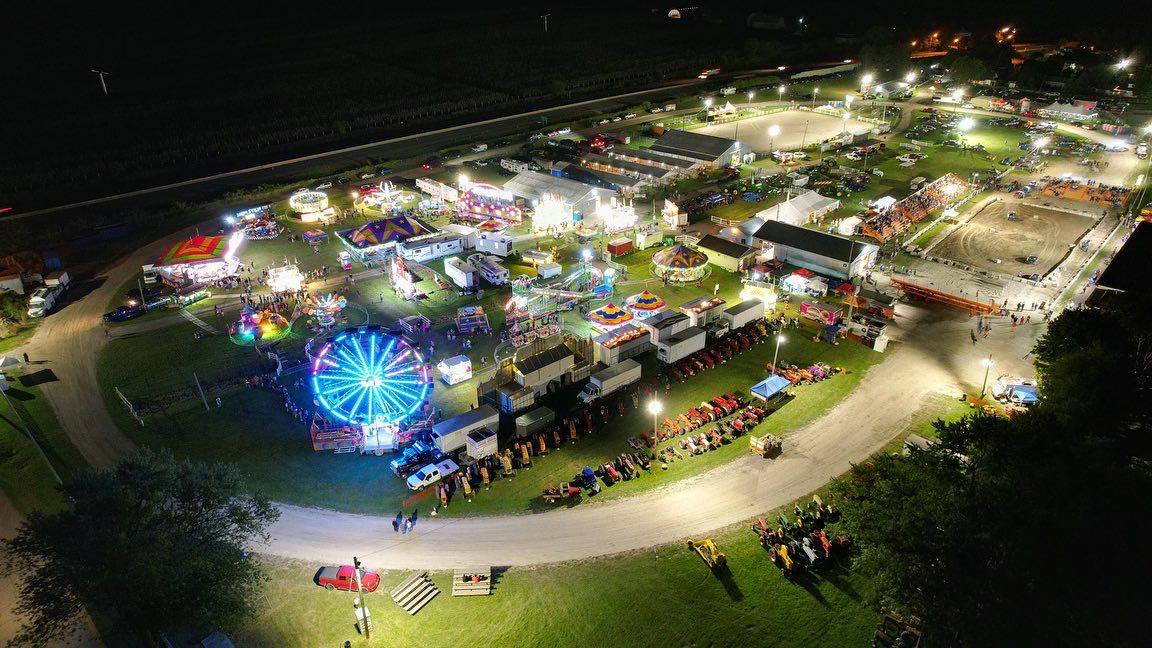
709	553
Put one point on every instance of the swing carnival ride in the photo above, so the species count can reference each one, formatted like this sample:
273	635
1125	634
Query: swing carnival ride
368	383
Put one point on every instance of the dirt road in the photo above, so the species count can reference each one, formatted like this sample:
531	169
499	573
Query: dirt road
935	357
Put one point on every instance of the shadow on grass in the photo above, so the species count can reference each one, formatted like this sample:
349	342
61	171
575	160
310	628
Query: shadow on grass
37	378
833	574
724	575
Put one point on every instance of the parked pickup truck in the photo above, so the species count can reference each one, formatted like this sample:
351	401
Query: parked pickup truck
609	380
344	578
431	474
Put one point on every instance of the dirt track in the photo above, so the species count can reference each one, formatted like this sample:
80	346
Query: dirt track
936	358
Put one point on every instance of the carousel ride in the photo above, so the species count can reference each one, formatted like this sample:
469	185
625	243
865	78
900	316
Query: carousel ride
680	264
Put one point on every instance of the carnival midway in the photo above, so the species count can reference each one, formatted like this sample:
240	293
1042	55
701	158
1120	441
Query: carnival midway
603	312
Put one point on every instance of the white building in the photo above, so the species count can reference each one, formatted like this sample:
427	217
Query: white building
805	207
535	186
1069	112
827	254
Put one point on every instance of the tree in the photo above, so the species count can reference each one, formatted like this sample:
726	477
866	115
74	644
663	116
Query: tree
882	53
155	545
967	68
1030	530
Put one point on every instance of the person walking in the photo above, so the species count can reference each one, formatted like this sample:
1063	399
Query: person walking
398	521
26	360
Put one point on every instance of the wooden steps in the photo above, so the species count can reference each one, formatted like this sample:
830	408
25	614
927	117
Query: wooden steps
463	587
415	592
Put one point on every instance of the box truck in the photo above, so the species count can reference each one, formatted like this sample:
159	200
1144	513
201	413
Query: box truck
609	380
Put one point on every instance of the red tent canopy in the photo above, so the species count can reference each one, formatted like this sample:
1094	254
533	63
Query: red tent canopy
198	249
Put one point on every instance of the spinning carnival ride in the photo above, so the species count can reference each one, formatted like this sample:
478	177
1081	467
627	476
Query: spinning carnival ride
324	308
364	376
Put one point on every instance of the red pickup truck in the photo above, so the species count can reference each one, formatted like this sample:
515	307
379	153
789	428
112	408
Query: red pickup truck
344	578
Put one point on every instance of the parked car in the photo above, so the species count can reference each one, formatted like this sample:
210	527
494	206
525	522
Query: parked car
125	313
384	170
479	148
344	578
367	174
431	474
452	155
432	163
630	116
324	185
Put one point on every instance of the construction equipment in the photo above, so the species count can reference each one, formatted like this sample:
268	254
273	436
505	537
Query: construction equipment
709	552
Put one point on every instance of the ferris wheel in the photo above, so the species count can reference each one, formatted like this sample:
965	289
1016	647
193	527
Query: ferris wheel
366	376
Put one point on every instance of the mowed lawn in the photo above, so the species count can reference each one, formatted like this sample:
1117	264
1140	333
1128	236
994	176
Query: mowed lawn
26	474
665	596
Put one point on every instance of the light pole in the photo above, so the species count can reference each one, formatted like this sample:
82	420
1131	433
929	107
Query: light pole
865	82
773	131
750	95
707	105
654	408
545	18
987	362
815	91
776	355
102	74
780	92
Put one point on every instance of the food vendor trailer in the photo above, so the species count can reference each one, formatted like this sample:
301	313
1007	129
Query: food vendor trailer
451	434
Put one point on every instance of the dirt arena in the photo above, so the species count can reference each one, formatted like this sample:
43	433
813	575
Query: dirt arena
1038	231
753	131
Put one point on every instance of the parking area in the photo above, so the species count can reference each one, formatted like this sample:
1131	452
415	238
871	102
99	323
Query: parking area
797	128
1003	235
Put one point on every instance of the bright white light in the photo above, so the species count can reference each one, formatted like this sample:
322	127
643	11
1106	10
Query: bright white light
957	94
966	124
551	212
986	362
848	99
910	77
708	102
780	339
780	89
866	79
773	130
655	407
586	254
750	95
1040	142
1124	63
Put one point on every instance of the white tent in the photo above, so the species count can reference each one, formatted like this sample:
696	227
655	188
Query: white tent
7	362
800	209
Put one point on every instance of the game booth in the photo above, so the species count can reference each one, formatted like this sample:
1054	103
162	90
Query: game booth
484	202
617	215
609	317
680	264
199	260
315	236
312	207
552	214
455	370
644	304
285	279
367	384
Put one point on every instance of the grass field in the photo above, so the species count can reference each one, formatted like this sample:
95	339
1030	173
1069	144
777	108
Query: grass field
664	596
26	474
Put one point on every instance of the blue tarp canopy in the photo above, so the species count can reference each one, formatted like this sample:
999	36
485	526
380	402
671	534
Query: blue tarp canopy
769	387
1024	394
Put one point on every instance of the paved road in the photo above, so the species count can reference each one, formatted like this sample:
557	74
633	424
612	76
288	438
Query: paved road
330	162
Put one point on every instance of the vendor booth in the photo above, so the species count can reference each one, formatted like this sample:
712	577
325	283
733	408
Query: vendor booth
644	304
609	317
770	387
483	202
380	237
455	370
